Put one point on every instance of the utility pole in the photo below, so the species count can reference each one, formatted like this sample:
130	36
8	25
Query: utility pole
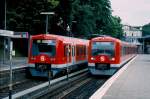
49	75
68	52
5	27
5	14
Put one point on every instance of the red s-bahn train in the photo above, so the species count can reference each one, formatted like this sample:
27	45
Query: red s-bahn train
107	54
54	53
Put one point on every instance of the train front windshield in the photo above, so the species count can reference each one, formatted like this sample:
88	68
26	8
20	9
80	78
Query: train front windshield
44	47
105	48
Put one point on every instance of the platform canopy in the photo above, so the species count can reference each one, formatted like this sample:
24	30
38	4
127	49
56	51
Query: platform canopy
12	34
146	38
6	33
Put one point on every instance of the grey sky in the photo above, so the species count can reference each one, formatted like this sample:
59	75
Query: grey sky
132	12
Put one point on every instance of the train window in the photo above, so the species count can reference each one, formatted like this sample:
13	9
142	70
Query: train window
84	51
73	51
80	50
44	47
77	49
124	50
103	48
34	49
67	48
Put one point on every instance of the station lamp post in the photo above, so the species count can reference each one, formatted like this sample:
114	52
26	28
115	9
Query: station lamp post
68	52
46	21
46	30
5	28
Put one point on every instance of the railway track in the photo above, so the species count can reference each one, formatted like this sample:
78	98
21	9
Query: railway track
81	88
20	82
65	87
80	85
19	87
18	77
85	90
23	90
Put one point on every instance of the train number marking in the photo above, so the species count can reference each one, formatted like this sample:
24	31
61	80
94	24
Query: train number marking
102	58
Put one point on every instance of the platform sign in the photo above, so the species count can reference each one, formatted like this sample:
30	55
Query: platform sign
13	52
13	34
21	34
25	35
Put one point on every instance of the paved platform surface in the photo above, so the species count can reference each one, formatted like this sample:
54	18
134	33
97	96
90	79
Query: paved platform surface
17	62
134	82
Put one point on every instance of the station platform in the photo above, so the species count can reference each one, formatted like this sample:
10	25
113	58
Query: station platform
17	62
131	82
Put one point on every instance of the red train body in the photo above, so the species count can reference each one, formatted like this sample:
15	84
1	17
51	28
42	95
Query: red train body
55	53
107	54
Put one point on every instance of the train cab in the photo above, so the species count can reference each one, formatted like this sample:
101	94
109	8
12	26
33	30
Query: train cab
55	53
105	55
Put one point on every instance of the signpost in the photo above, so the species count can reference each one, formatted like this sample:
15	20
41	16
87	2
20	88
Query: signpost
10	81
69	51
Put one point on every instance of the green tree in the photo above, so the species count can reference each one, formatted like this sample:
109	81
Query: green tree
102	14
85	17
90	16
114	28
146	29
53	3
25	15
85	21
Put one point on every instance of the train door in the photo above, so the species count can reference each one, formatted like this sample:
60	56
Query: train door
67	52
73	54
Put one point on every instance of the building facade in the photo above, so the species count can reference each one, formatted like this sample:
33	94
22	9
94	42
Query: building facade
132	35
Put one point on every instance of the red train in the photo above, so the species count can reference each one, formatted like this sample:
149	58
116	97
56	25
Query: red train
53	53
107	54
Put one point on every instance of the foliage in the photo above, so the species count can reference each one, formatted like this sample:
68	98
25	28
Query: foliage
53	3
146	29
25	15
114	28
85	21
84	17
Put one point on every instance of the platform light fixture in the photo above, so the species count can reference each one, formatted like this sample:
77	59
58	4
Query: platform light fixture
46	21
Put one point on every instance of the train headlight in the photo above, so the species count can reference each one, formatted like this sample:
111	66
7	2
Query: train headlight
32	58
113	59
92	58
